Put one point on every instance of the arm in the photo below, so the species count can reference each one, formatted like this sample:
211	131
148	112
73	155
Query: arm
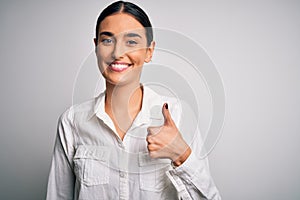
61	177
190	176
193	174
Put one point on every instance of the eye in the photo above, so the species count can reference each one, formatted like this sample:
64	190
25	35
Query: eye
131	43
107	41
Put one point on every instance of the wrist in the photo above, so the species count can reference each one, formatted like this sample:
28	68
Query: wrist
180	160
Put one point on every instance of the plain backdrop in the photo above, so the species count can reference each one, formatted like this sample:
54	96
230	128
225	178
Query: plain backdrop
255	46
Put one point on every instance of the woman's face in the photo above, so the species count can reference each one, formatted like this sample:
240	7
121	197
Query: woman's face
122	49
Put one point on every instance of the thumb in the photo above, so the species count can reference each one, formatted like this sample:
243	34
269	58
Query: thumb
166	114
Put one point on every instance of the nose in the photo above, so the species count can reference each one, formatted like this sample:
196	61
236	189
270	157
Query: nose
119	51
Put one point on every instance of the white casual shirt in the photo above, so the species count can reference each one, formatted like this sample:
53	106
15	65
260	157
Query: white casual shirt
90	161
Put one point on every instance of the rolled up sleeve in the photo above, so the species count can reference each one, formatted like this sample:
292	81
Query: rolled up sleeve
192	179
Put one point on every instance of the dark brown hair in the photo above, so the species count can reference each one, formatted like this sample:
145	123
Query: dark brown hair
131	9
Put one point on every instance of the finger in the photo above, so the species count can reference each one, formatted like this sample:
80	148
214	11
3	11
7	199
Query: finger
152	147
166	114
153	130
149	139
153	154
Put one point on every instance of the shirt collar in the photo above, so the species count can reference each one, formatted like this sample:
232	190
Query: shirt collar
97	103
150	100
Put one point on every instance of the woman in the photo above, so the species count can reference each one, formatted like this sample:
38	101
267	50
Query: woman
108	147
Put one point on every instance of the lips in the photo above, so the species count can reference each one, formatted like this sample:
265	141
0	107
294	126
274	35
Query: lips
119	66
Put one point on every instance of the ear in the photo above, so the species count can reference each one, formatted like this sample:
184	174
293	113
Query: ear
96	43
149	52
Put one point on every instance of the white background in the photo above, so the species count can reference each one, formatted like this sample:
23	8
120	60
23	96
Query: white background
254	44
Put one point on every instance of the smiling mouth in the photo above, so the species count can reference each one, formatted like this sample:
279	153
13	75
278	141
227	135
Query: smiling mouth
119	66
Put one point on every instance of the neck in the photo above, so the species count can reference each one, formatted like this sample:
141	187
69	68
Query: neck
123	103
123	96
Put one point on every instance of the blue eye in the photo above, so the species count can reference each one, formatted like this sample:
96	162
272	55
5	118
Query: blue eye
131	43
107	41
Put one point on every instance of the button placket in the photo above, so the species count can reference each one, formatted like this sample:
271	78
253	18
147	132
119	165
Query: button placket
122	174
124	189
121	145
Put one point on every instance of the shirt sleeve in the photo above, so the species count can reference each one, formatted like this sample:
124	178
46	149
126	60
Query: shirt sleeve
192	179
61	177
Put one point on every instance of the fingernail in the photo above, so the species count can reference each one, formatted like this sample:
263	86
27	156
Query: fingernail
166	105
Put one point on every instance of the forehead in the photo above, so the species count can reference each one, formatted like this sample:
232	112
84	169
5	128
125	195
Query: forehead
121	23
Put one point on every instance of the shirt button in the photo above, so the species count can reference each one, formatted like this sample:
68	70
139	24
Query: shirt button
122	175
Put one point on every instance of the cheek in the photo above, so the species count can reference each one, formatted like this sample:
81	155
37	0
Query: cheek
101	58
138	57
103	52
103	55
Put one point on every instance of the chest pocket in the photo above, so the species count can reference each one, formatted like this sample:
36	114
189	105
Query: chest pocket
153	173
91	164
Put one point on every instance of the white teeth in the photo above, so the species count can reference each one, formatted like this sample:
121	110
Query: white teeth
119	66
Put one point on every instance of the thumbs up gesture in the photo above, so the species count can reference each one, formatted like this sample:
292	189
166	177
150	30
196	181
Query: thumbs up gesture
166	141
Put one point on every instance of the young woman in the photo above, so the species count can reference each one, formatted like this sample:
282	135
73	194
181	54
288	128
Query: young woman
108	147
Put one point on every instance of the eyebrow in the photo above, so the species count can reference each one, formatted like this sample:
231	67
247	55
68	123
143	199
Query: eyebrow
133	35
126	35
106	33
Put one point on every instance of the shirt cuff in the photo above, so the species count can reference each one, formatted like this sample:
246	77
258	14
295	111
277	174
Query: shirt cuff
194	172
189	168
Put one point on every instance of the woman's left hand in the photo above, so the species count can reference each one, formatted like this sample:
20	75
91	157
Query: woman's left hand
166	141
